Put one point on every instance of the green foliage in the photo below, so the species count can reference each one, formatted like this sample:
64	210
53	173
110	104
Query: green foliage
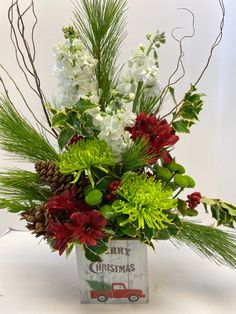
101	28
174	167
94	253
145	201
65	135
187	115
84	155
98	286
184	181
136	156
20	138
71	121
146	104
20	189
224	213
14	206
162	173
215	244
94	197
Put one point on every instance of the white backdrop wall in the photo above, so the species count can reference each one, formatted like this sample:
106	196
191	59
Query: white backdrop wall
209	151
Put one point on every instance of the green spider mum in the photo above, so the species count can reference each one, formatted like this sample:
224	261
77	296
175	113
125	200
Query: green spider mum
145	201
84	155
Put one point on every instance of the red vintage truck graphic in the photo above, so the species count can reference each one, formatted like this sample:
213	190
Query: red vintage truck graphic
118	291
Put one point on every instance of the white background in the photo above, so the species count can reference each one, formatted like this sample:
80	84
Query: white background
208	153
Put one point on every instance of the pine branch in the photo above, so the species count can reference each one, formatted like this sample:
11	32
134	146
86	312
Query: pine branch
101	25
19	138
137	155
20	189
214	244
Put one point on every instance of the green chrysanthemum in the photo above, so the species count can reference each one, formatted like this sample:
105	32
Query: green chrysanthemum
84	155
145	201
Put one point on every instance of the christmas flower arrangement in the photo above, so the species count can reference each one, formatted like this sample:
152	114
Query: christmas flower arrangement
112	173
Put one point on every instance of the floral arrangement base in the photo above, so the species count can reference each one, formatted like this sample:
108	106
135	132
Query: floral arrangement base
120	278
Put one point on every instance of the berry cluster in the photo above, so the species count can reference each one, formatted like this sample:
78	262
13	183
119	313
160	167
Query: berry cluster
194	199
113	186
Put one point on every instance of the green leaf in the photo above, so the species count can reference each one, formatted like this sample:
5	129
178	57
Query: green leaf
163	235
72	119
182	207
83	105
188	111
224	213
181	126
191	212
65	135
130	231
59	119
94	253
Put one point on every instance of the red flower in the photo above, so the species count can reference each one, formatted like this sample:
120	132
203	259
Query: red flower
87	227
61	233
158	133
66	202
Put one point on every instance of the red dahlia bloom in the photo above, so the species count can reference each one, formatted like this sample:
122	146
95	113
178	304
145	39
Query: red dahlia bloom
158	133
87	227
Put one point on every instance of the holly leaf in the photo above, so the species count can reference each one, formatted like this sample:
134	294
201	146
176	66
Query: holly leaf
59	119
72	119
93	253
187	114
65	135
84	104
224	213
130	231
181	126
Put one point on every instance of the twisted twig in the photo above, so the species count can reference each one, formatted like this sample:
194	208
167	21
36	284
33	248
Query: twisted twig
213	47
180	63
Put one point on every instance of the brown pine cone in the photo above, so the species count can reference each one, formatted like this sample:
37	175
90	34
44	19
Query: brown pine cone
50	174
37	219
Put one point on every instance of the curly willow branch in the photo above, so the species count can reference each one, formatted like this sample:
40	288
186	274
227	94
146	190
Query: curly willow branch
180	63
25	55
213	47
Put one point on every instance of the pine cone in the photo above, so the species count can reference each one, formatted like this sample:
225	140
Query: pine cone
50	174
37	220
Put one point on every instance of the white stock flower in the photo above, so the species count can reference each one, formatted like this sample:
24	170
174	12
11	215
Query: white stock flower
141	68
111	126
75	70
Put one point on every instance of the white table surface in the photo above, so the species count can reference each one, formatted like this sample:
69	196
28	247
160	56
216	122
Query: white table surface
32	280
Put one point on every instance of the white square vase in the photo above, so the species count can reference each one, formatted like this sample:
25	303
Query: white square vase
121	277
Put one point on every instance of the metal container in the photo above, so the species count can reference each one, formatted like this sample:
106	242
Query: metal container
120	278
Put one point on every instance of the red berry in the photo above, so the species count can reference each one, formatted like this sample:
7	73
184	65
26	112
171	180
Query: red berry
194	199
110	197
113	186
